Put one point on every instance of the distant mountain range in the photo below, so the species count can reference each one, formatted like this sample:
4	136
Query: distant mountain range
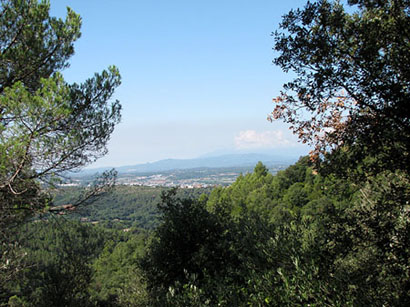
229	160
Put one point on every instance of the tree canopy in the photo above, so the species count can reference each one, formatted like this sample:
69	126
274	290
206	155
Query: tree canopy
47	126
331	233
352	83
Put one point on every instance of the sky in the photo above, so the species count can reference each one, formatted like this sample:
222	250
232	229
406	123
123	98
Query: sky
197	76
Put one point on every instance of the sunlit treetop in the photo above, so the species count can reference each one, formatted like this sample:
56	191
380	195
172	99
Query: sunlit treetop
352	83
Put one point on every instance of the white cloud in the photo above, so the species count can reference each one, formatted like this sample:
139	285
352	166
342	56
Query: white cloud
267	139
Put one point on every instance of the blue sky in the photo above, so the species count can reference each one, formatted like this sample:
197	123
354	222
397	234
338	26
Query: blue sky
197	76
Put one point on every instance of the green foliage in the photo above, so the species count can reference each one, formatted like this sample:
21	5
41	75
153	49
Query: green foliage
116	278
124	207
279	198
188	244
370	242
15	301
350	100
350	92
68	263
34	45
247	189
325	242
337	237
57	263
342	245
43	120
47	127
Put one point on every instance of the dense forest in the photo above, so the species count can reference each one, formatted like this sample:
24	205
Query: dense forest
331	230
294	238
124	207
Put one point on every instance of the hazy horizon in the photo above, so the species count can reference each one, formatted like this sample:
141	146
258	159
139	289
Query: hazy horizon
284	156
197	77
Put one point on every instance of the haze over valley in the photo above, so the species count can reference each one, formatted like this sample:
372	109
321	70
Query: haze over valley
200	172
262	153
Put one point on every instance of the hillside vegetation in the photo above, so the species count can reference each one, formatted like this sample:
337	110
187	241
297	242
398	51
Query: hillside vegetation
126	206
331	230
294	238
